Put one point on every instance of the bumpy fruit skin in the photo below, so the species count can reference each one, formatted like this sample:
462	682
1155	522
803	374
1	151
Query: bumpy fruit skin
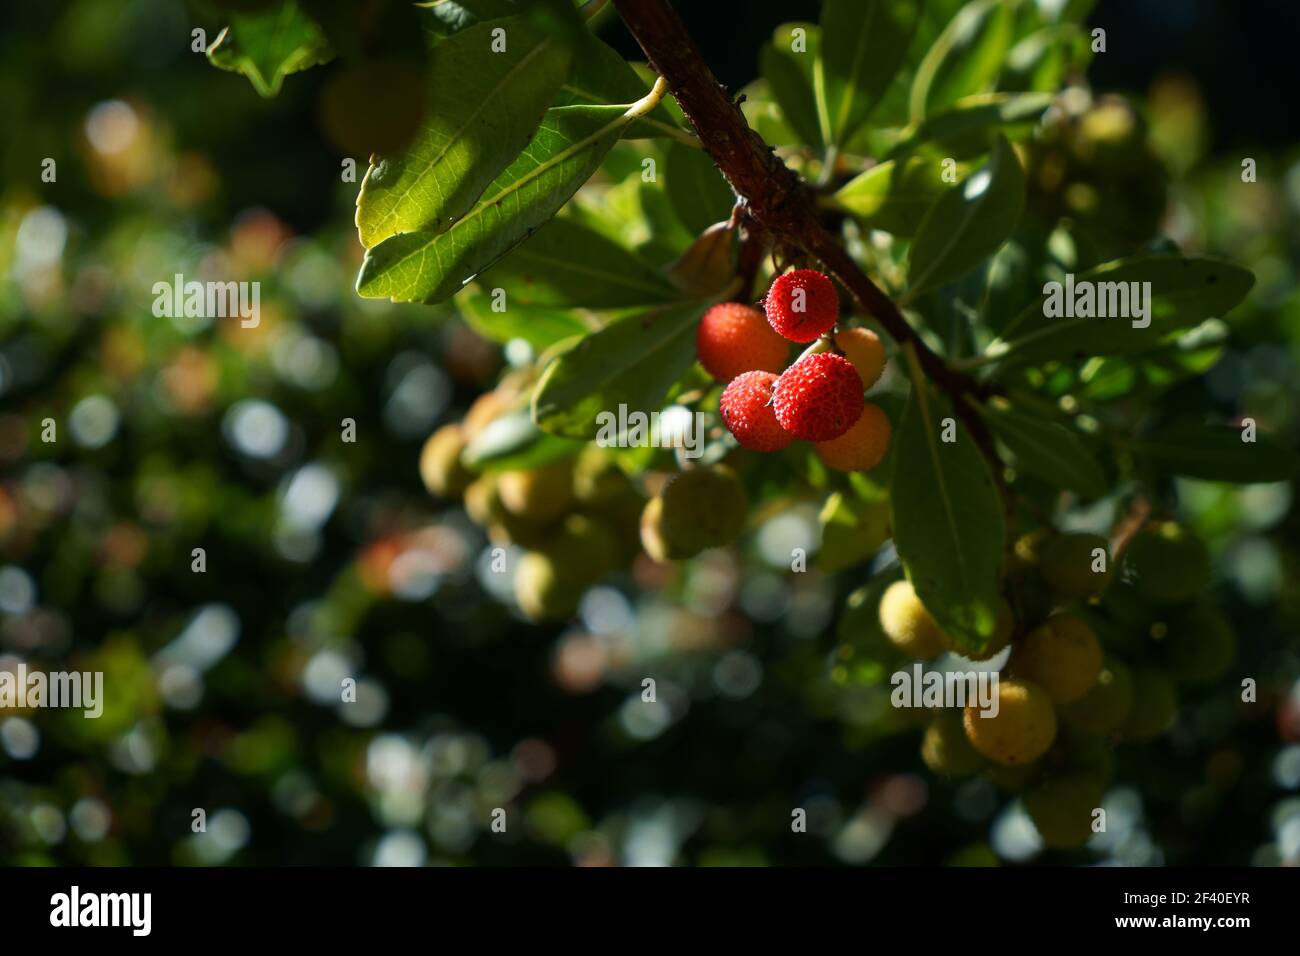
539	494
907	623
945	749
1022	730
1107	703
862	447
819	397
1067	561
1062	655
1169	564
733	338
821	305
1062	807
440	468
747	411
1155	703
701	508
864	349
1199	645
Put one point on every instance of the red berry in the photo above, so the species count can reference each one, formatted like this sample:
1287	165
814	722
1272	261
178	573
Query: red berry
734	338
801	305
747	412
818	397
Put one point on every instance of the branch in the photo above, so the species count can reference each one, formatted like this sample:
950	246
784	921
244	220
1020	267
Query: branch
776	199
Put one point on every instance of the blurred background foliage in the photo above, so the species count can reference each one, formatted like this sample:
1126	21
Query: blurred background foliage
327	559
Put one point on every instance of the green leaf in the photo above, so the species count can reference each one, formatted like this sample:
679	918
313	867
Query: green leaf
631	362
698	193
1216	453
789	75
600	76
568	264
966	129
268	45
432	266
1183	293
482	109
539	326
966	57
852	531
1047	449
863	45
895	195
968	224
947	519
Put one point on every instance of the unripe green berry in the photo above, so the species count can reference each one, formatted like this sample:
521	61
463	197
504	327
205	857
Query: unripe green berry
1062	809
701	508
1155	703
1169	564
1106	704
1075	565
1199	644
945	749
539	494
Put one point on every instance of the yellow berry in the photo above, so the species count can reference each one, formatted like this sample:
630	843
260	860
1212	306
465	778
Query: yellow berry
862	447
1062	655
1021	730
864	349
440	468
907	623
539	494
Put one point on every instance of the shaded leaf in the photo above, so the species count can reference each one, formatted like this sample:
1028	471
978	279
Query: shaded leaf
895	195
1184	292
1216	453
568	264
789	76
1048	450
863	45
539	326
947	520
967	128
631	362
965	58
699	195
968	224
268	45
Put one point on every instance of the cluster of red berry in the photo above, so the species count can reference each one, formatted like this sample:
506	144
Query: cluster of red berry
817	399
